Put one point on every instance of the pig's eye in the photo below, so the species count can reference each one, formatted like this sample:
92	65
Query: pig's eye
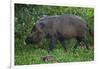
42	25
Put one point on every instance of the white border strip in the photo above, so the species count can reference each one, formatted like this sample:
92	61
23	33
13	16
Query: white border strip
69	65
12	35
75	3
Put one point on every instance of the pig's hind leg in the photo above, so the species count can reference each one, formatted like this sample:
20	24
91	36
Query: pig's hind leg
77	43
84	40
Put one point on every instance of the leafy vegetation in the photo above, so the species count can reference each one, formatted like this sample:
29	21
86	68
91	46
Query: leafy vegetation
25	18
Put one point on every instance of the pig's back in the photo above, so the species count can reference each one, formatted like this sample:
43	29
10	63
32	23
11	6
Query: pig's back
66	25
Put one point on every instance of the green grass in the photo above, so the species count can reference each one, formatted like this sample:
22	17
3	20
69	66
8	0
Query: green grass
25	55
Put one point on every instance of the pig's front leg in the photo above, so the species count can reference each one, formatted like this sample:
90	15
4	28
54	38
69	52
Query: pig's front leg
52	43
62	41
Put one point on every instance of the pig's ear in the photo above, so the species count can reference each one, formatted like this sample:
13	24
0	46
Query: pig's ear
42	25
